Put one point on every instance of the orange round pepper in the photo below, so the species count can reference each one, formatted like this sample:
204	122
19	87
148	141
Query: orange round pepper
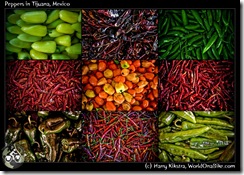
85	79
98	89
116	72
132	92
137	63
93	80
149	76
129	84
99	100
119	98
110	106
103	95
101	66
136	108
110	98
125	72
99	75
145	103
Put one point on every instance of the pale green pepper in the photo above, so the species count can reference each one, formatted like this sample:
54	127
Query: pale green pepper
11	48
54	24
20	12
44	46
60	49
65	28
53	33
20	44
57	56
10	36
79	17
68	16
34	17
54	15
24	56
13	18
35	55
64	40
28	38
73	56
47	38
36	30
76	26
74	49
78	35
22	23
14	29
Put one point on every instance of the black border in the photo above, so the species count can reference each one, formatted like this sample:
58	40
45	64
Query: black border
158	4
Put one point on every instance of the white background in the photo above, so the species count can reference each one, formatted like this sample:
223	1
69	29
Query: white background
170	173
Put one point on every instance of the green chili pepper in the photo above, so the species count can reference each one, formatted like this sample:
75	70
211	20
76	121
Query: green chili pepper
44	46
72	115
218	15
190	35
214	134
176	55
187	125
11	48
35	30
194	39
24	56
179	151
34	17
206	24
182	135
10	36
210	42
165	129
192	27
54	24
20	12
57	56
184	17
167	119
165	31
215	155
23	148
21	44
74	49
182	144
35	55
163	56
228	153
65	28
210	18
14	29
188	115
53	33
70	144
218	114
60	49
43	114
225	18
68	16
204	143
13	18
163	156
76	27
197	17
175	33
215	53
198	52
22	23
207	151
213	121
218	29
210	54
54	15
28	38
64	40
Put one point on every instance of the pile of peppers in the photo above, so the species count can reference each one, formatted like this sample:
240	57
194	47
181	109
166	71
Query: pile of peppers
42	35
199	136
46	136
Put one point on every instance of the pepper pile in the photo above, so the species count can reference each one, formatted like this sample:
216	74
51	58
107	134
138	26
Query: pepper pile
120	137
42	35
120	85
198	136
43	85
46	136
196	34
119	34
197	85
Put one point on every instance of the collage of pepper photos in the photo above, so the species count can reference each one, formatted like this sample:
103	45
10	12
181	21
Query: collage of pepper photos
120	85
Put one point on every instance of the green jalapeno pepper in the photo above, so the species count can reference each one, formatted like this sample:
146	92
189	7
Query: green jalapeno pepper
28	38
35	30
12	48
35	55
64	40
74	49
14	29
54	15
21	44
68	16
24	56
13	18
57	56
65	28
